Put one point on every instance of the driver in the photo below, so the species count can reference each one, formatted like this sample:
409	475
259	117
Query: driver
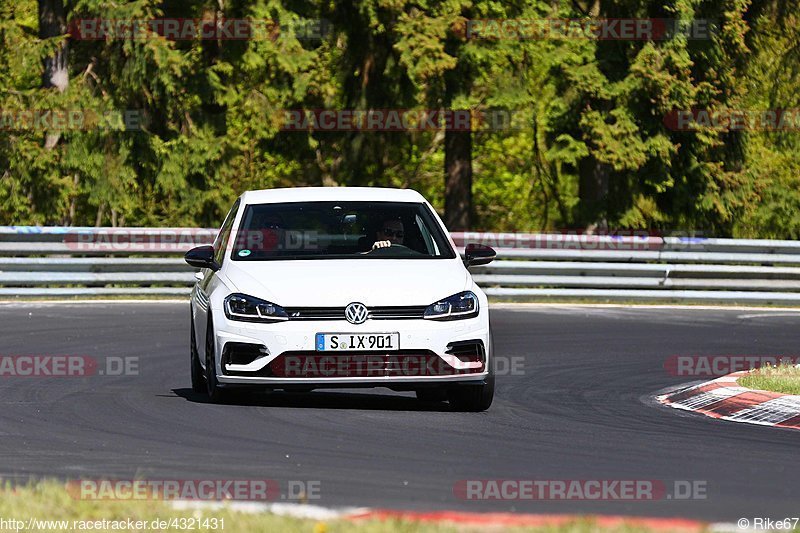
391	232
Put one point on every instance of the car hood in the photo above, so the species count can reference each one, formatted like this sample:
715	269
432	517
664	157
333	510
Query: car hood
338	282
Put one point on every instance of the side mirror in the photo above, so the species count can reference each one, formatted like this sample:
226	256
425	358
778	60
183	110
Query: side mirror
478	254
202	257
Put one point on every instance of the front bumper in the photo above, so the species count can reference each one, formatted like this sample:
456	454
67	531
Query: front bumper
283	354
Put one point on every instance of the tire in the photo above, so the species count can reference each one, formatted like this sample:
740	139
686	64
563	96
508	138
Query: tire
475	398
431	395
215	393
198	378
472	398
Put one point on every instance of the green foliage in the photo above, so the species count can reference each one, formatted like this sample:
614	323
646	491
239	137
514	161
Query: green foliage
586	113
770	195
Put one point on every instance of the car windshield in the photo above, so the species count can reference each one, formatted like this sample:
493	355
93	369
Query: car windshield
340	230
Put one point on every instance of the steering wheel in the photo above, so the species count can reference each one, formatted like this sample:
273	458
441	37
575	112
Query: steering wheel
395	249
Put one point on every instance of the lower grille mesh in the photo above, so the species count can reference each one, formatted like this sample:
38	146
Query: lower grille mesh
362	364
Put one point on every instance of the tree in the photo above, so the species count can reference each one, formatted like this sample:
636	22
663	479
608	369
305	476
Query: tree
53	24
608	122
460	70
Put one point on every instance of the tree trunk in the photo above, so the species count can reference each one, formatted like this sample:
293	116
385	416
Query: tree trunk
52	23
457	146
593	193
458	179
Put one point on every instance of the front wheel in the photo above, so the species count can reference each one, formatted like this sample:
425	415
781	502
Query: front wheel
198	379
472	398
215	393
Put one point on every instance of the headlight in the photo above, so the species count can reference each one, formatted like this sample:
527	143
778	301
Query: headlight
455	307
251	309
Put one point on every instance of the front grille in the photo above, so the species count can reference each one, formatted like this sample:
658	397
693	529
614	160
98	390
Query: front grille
315	313
410	363
337	313
385	313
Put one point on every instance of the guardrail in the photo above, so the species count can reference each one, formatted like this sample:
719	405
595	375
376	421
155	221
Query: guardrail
59	261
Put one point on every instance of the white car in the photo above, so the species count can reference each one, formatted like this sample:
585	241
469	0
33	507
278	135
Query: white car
325	287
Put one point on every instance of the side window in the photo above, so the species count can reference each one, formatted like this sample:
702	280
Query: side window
221	242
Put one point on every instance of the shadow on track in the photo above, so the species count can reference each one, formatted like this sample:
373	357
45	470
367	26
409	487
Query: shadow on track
320	400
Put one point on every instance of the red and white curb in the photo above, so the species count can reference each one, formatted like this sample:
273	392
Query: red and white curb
725	399
492	520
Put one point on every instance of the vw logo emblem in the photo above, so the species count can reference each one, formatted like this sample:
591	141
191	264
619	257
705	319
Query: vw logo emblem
356	313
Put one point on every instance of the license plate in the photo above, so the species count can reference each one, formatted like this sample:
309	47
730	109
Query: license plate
330	342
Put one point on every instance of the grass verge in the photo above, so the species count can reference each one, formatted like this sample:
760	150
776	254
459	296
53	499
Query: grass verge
55	509
783	378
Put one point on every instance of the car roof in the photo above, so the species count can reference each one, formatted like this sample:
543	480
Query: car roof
331	194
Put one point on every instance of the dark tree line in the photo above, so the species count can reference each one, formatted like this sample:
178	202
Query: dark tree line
173	130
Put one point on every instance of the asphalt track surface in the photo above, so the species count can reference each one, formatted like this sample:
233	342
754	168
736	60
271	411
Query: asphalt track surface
580	410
